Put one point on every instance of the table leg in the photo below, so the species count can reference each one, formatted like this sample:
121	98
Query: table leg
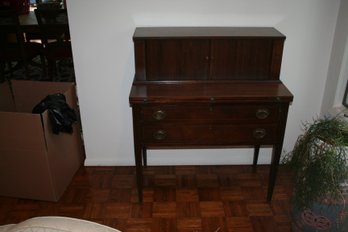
274	169
144	156
256	156
139	172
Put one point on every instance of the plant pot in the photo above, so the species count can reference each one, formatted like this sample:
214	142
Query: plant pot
322	216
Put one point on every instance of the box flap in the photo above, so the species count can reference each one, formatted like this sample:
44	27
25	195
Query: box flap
23	157
65	155
65	151
21	131
6	99
18	169
28	94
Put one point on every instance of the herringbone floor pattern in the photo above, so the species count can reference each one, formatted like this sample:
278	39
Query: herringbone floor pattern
176	198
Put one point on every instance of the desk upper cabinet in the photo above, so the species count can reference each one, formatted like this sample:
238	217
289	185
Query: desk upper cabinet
165	54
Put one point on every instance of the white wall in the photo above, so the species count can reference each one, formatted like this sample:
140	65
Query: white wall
338	69
102	31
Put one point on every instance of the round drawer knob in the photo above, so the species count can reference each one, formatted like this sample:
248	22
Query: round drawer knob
159	115
160	135
262	113
259	133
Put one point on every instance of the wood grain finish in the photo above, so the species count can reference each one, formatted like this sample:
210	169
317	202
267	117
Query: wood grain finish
208	87
204	32
201	53
210	111
231	198
210	92
170	59
243	59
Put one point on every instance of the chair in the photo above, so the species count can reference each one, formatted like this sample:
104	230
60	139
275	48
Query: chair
55	34
13	47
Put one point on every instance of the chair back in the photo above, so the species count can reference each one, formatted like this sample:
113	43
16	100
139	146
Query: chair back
11	37
53	24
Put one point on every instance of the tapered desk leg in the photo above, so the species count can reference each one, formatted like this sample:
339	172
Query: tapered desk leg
256	156
144	156
274	169
139	172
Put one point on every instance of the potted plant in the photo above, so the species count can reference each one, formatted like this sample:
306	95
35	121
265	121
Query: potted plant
318	163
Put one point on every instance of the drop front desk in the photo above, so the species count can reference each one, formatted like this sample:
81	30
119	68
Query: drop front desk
199	87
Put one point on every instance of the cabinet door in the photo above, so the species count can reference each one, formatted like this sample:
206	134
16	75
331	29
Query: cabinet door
177	59
241	59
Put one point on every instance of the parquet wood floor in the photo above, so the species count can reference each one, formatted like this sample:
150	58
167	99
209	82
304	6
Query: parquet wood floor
176	198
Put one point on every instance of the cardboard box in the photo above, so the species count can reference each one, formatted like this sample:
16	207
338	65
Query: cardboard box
34	162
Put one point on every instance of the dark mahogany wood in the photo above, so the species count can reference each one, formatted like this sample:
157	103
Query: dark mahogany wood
210	92
172	58
216	53
208	87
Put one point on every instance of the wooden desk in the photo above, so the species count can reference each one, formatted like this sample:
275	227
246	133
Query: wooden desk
208	87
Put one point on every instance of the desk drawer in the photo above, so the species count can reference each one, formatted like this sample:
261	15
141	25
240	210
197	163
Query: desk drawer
264	113
216	134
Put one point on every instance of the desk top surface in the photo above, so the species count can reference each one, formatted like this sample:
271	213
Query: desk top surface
210	92
212	32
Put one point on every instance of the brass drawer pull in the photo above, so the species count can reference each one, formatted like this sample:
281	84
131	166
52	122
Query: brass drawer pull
262	113
259	133
159	115
160	135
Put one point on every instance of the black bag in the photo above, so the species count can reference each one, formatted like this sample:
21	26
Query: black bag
61	115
